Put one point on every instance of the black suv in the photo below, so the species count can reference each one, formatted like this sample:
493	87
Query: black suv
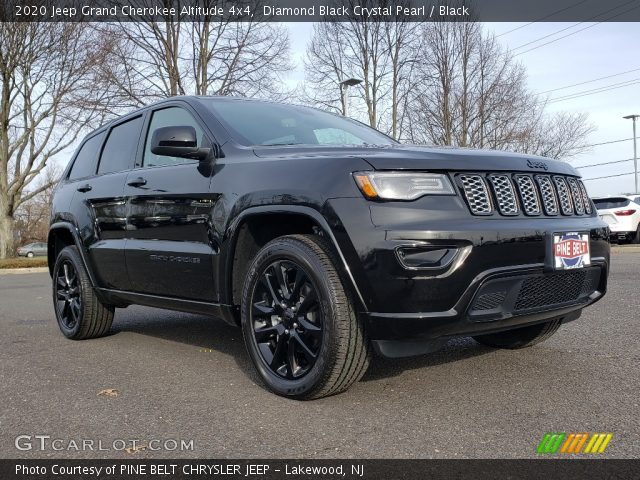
323	238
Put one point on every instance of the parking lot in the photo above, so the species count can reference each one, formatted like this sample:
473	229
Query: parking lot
188	377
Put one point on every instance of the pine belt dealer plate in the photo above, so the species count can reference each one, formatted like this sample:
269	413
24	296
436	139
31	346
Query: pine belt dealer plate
571	250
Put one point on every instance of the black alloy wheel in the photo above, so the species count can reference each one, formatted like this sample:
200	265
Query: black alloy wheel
79	311
299	321
68	295
287	319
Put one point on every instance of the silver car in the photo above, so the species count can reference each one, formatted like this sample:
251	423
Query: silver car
33	250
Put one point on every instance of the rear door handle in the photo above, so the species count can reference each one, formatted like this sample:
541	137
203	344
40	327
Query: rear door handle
85	188
137	182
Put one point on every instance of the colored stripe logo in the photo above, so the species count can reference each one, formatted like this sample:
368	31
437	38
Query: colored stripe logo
573	443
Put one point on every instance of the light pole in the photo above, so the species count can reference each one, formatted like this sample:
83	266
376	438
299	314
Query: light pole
635	150
344	85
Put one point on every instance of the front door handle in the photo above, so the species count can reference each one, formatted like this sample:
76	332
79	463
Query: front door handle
84	188
137	182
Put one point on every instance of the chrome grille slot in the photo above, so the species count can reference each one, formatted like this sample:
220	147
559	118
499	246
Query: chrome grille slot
513	194
549	197
576	193
564	195
477	194
504	193
528	195
585	197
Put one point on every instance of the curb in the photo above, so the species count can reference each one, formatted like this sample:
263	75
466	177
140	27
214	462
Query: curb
11	271
626	249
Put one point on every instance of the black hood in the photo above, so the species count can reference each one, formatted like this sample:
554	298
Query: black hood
414	157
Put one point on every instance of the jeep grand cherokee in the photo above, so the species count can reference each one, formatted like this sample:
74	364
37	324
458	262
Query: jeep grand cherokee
322	238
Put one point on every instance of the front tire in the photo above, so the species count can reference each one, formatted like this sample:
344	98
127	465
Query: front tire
80	314
299	322
30	255
520	337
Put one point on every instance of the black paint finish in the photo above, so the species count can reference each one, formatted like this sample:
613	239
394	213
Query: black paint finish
166	235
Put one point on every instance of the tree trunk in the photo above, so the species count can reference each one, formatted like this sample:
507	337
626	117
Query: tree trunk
6	235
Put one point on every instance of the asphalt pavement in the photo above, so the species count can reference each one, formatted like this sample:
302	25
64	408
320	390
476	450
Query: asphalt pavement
168	377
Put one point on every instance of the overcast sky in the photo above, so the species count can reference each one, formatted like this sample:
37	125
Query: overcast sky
588	51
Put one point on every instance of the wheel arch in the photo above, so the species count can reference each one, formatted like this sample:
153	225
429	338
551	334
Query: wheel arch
245	237
61	235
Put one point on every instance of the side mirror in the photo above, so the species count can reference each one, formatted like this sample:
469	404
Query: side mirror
179	141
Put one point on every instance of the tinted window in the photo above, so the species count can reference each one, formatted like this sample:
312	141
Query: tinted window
169	117
87	158
637	200
263	123
603	203
121	146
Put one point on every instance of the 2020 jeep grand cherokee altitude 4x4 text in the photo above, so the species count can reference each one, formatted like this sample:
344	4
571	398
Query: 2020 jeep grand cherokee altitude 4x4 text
324	239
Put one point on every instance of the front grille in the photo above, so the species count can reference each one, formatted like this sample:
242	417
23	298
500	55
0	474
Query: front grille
549	196
577	195
585	198
530	293
505	194
477	194
512	194
528	195
542	291
566	204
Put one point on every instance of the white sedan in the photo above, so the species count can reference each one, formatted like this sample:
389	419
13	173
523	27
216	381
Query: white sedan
622	214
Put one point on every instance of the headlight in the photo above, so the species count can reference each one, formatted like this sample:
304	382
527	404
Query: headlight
402	185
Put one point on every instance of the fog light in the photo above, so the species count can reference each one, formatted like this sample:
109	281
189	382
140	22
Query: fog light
425	257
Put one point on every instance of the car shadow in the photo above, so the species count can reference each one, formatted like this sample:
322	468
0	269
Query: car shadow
455	350
212	333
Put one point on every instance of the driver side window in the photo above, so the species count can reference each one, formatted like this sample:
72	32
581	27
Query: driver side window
169	117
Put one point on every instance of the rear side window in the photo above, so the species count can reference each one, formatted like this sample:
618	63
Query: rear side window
121	145
603	203
87	158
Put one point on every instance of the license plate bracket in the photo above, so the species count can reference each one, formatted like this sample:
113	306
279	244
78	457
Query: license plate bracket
570	250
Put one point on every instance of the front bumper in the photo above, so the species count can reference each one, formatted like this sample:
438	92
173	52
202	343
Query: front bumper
497	301
402	303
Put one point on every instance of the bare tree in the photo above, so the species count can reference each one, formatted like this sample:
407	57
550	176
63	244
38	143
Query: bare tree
402	42
559	136
213	55
50	91
244	58
469	92
325	67
32	216
350	48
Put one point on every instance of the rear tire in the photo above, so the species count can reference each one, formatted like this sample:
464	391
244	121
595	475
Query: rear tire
520	337
80	314
299	322
636	237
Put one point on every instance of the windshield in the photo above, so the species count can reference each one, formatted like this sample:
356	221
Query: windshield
604	203
255	123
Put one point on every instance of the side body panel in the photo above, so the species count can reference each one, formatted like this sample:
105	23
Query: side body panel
169	249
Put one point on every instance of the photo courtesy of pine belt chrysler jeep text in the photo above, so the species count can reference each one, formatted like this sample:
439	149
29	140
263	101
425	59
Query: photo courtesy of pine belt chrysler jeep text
323	239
